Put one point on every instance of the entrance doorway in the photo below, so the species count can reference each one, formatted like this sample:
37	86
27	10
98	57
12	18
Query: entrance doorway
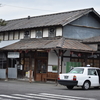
41	66
41	69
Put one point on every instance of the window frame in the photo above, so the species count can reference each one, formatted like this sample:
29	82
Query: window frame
27	34
37	32
92	73
52	32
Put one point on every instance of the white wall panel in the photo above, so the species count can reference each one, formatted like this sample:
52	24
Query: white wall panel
32	33
6	36
59	31
1	36
16	35
21	34
52	59
45	32
11	36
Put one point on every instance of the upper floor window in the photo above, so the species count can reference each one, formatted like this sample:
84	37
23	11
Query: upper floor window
38	33
52	32
27	34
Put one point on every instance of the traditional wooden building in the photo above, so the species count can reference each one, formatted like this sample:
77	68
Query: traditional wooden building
50	44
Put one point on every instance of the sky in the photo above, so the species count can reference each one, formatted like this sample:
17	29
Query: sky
15	9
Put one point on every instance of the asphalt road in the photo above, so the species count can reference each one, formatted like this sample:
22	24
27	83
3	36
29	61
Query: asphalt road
22	90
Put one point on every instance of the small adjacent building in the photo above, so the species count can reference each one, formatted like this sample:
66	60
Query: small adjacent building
50	43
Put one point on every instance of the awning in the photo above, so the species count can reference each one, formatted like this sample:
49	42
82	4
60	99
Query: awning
6	43
47	43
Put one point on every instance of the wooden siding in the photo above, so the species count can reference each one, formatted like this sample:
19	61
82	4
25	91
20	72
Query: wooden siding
84	27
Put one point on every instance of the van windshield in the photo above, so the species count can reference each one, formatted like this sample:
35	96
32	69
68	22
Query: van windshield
77	70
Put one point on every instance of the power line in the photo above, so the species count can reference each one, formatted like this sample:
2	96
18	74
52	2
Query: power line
1	5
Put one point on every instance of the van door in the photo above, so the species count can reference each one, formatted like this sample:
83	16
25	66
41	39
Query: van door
93	77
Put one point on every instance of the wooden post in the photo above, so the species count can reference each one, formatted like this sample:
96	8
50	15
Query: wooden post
7	70
85	59
30	79
30	65
58	71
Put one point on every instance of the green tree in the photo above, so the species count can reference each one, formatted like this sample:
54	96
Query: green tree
2	22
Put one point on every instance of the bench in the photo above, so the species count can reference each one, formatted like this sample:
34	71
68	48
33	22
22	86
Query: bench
51	76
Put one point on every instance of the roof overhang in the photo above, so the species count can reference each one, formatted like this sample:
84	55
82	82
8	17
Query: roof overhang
47	43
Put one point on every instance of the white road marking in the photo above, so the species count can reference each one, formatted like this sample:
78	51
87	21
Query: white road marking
36	97
41	96
8	96
49	96
63	96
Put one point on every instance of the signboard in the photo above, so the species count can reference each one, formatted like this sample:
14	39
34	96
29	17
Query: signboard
13	54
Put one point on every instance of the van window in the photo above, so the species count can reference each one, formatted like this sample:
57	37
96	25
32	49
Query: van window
92	72
77	70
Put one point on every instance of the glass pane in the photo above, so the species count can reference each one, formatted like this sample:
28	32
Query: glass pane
41	66
52	32
77	70
39	34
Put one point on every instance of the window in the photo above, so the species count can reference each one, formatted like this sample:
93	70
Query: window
38	33
52	32
27	34
54	68
77	70
92	72
2	60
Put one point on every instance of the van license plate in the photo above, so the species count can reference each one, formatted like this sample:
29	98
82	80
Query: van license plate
65	77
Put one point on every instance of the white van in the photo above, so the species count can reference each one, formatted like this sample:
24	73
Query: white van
84	77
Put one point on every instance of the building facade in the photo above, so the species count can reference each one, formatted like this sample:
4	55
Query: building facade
35	46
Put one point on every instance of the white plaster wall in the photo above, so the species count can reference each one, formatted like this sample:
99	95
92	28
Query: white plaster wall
32	33
52	59
16	35
21	34
59	31
1	36
11	36
45	32
6	36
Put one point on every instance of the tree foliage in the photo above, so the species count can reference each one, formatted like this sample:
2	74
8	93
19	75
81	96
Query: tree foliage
2	22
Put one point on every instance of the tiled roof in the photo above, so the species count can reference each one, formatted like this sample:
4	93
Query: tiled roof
92	40
45	20
47	43
76	45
